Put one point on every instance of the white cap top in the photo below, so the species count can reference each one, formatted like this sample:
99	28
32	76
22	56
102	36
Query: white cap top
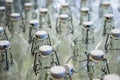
34	23
58	72
97	54
84	9
106	3
9	1
64	5
109	16
28	5
111	77
43	10
63	16
69	68
1	29
45	50
15	16
41	34
4	44
88	24
2	8
115	32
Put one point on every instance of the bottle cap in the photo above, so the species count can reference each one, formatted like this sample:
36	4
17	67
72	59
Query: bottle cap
34	23
41	34
14	16
106	3
9	2
88	24
84	9
115	32
28	5
108	16
111	77
69	68
97	54
64	5
1	29
63	17
2	8
43	11
45	50
4	44
57	72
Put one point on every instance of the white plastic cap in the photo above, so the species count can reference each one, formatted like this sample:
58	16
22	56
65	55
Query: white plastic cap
9	1
87	24
15	16
34	23
111	77
4	44
45	50
57	72
106	3
43	10
69	68
28	5
2	8
41	34
108	16
97	54
64	5
115	32
63	16
84	9
1	29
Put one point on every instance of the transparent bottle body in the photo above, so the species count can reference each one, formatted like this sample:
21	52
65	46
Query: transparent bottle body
2	19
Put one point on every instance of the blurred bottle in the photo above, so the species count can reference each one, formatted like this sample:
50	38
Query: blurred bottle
2	16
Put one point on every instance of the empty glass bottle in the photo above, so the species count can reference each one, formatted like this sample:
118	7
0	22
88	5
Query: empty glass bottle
105	7
113	48
40	38
44	59
97	65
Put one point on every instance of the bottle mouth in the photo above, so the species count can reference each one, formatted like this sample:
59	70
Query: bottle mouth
41	35
34	23
115	32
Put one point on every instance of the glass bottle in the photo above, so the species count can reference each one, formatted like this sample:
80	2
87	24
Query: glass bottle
97	65
44	59
112	48
6	57
108	23
34	27
40	38
105	7
2	16
44	19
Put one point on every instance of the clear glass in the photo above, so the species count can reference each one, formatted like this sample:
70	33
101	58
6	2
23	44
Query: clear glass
2	16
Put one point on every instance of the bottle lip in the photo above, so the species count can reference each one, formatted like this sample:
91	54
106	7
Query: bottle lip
106	3
115	32
111	77
64	4
43	10
109	15
57	72
28	5
63	16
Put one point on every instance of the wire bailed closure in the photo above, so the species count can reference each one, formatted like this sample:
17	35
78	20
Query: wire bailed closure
113	40
4	47
108	23
3	34
16	24
40	38
64	25
45	58
97	65
34	25
44	18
